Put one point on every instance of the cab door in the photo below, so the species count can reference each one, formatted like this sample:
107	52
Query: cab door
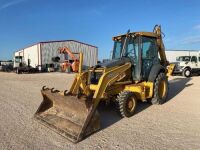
134	53
149	55
194	63
199	62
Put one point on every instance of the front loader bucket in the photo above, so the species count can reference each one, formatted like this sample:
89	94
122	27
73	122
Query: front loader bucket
72	117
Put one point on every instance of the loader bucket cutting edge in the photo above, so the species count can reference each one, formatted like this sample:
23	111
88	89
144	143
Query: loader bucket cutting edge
71	117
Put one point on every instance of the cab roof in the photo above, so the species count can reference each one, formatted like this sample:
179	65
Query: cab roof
150	34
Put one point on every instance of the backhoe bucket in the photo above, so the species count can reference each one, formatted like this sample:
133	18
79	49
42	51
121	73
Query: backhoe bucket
72	117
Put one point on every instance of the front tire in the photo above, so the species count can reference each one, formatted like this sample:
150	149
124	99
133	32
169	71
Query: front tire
187	72
17	71
160	89
127	103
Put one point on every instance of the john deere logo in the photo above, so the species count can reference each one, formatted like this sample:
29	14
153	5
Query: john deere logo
120	75
111	75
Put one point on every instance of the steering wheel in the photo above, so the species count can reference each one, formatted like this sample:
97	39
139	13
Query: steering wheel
147	61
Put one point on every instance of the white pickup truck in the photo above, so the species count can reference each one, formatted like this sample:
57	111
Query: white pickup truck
187	65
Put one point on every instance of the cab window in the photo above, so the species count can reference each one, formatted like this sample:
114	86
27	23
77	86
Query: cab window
194	59
149	48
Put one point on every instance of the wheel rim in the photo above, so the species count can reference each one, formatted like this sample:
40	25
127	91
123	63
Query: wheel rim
187	72
162	89
130	104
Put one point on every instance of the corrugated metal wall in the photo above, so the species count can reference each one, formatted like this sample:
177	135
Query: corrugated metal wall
49	50
172	54
42	53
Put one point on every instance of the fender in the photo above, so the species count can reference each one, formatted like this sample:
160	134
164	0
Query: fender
155	70
187	67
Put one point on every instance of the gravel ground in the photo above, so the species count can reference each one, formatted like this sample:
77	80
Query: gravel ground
173	125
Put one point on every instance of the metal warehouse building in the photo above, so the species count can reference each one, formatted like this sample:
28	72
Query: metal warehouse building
41	53
172	54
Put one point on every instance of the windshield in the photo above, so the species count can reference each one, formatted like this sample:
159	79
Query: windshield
131	47
183	58
117	49
18	59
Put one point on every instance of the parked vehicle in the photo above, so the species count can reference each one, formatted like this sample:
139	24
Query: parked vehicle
6	66
187	65
21	67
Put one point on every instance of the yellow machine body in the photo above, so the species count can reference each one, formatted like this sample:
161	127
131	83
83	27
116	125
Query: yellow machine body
74	114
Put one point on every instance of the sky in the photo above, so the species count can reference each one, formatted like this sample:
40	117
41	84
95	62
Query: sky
25	22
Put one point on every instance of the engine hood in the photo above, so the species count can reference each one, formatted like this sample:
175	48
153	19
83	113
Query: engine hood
113	63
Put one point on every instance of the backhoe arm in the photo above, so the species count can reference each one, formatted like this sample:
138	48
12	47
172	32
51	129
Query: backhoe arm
161	47
65	50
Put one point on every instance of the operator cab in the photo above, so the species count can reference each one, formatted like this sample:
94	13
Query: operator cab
18	61
142	51
183	58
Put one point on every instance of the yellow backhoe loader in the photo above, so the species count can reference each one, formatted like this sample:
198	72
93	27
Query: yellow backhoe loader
138	70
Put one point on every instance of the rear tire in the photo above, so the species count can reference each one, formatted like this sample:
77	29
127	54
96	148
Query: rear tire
127	103
160	89
186	72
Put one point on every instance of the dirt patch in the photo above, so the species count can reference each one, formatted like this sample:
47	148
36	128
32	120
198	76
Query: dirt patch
173	125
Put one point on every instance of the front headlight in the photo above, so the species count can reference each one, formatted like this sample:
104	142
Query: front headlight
178	67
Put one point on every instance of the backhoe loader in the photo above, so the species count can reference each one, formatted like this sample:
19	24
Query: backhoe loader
138	71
